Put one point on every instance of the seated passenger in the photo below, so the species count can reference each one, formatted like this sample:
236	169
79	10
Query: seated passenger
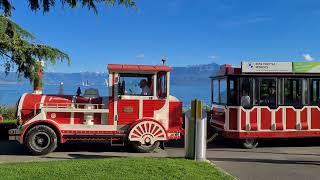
245	100
145	90
272	97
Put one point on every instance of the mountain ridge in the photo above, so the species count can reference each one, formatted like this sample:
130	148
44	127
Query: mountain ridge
194	74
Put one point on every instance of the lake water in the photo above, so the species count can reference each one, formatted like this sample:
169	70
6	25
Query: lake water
10	93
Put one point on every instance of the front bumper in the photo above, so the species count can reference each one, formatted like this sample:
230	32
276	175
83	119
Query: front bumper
14	134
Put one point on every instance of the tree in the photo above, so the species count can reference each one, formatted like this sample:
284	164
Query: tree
45	5
17	50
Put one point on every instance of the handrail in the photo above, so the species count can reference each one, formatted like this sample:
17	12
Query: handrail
68	105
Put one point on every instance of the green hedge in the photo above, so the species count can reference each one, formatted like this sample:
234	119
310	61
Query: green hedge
8	112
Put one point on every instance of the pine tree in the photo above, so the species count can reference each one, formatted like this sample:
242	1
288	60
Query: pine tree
18	50
45	5
17	47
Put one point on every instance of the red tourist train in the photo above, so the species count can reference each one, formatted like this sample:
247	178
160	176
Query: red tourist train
139	111
266	100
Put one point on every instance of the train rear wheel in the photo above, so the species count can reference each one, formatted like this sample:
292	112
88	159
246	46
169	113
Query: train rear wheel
41	140
146	135
249	143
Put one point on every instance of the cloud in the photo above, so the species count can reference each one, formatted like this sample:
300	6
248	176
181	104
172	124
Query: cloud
246	21
307	57
140	56
212	57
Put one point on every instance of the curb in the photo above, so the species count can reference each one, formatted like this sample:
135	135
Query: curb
220	169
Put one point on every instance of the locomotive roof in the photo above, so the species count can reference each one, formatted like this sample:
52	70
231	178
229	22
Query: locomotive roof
137	67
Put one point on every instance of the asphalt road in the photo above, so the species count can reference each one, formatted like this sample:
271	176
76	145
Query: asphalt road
295	159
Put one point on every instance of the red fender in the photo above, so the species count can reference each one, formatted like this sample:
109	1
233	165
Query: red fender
47	121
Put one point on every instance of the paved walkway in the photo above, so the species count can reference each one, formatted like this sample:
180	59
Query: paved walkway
295	159
14	152
286	162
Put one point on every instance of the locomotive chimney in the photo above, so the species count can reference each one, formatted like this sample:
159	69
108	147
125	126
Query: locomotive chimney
37	81
163	61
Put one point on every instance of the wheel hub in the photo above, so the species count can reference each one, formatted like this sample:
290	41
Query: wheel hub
147	140
41	140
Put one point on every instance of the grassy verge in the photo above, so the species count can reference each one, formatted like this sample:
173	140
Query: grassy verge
9	121
113	168
8	113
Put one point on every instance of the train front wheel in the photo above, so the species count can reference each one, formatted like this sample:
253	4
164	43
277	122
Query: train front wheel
41	140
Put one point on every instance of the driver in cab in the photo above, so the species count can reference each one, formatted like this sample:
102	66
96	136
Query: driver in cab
145	90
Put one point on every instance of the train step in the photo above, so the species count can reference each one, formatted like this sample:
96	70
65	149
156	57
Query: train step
117	142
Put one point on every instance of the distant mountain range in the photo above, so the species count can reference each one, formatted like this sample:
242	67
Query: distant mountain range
195	74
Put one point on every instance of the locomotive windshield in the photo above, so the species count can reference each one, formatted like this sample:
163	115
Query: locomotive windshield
136	85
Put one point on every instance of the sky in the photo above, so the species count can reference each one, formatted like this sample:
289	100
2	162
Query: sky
185	32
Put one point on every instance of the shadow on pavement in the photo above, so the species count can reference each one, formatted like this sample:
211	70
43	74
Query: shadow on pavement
263	143
260	152
89	147
14	148
81	156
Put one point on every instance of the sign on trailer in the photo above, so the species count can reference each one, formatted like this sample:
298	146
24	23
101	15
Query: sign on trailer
306	67
255	67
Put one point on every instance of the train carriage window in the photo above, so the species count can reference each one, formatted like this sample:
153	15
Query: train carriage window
223	91
280	88
162	85
233	92
267	93
219	91
315	92
215	96
246	92
293	92
305	92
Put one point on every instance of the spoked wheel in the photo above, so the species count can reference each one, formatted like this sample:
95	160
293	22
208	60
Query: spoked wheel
41	140
145	136
249	143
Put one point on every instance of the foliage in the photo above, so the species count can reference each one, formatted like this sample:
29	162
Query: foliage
8	112
18	51
45	5
113	168
16	47
9	121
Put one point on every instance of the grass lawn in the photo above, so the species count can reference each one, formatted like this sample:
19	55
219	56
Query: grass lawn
113	168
